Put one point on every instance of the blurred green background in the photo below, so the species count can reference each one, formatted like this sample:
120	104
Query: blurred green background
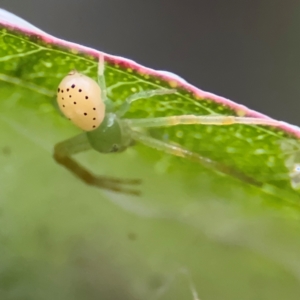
63	240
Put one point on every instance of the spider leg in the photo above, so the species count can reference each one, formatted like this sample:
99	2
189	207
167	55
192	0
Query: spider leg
141	95
101	77
63	152
185	153
201	120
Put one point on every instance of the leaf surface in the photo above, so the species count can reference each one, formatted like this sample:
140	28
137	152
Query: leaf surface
235	240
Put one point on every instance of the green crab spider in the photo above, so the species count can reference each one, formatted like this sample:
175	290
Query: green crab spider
84	102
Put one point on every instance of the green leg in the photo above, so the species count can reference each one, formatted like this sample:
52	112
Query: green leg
63	152
176	150
200	120
126	105
101	77
141	95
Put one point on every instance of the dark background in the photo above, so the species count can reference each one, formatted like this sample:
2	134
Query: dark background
247	51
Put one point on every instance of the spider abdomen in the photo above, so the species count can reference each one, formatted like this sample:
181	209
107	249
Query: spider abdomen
79	98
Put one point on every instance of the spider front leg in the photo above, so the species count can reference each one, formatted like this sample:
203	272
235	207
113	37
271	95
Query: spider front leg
63	153
101	77
176	150
179	151
141	95
128	101
200	120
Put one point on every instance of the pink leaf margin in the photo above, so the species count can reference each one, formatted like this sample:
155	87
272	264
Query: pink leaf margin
14	22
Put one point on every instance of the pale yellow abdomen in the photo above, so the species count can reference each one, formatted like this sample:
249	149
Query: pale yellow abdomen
79	98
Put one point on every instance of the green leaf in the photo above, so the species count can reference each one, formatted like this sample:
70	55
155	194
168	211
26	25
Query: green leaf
61	239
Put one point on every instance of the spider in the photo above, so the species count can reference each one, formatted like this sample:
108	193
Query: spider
83	101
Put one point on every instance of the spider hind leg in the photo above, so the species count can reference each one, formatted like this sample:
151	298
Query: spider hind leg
63	152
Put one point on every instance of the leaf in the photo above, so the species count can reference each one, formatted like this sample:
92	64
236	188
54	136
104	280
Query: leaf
64	240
